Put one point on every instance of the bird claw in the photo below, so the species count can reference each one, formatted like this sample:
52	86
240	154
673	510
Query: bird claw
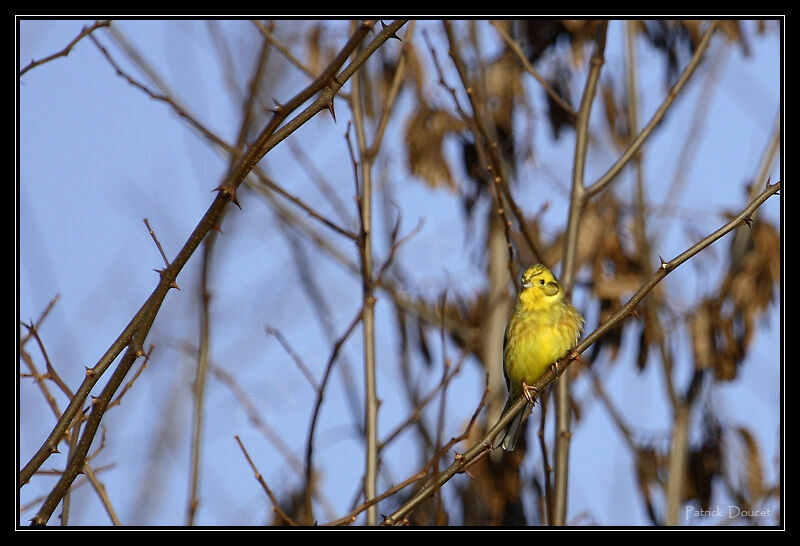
556	366
529	391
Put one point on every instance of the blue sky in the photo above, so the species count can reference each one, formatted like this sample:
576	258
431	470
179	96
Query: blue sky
96	156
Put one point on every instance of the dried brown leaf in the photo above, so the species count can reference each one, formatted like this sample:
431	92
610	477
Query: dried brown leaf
503	85
753	469
424	137
704	466
702	329
751	286
646	470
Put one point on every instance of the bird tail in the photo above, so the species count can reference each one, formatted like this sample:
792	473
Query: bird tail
508	438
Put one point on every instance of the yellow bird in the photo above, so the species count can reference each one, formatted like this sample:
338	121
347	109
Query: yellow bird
543	328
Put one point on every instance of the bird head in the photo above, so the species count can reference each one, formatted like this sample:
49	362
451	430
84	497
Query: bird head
539	287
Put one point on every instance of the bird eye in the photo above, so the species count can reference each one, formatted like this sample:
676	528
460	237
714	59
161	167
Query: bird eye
541	281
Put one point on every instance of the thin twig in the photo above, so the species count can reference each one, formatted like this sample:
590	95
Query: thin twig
558	515
548	495
317	296
103	494
296	357
155	240
116	401
275	504
351	517
439	510
320	181
64	52
364	200
201	375
50	305
317	406
52	374
367	154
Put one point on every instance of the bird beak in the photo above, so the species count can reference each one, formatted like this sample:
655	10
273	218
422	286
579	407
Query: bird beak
526	284
551	288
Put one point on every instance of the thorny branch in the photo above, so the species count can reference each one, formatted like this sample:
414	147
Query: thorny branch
64	52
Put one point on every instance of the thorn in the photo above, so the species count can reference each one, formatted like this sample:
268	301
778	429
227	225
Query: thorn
635	313
54	449
140	352
161	273
329	106
664	265
89	371
748	220
94	399
394	34
216	227
768	184
369	25
229	193
278	108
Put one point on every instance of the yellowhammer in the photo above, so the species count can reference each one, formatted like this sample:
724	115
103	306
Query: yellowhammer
542	329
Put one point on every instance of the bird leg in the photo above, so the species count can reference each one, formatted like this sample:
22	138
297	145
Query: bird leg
530	391
555	367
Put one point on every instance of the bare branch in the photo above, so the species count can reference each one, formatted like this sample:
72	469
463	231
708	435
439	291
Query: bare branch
275	504
64	52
